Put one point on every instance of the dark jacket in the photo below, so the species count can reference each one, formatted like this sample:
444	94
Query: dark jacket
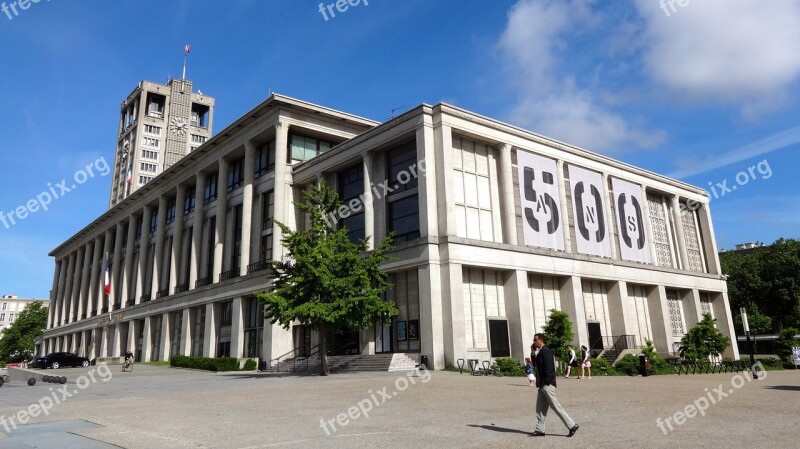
545	368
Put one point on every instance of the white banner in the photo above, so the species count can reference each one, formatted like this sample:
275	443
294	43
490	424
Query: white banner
628	202
588	207
542	218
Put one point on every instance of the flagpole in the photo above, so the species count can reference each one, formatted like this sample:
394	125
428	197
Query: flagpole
184	66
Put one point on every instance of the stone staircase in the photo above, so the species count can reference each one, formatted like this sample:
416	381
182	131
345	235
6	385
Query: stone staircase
610	354
346	363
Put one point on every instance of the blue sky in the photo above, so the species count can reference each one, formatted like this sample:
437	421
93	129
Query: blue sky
700	92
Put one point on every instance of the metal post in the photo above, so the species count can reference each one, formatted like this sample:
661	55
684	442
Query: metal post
750	348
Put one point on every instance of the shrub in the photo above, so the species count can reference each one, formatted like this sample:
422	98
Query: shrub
770	363
205	363
628	365
599	367
509	367
249	365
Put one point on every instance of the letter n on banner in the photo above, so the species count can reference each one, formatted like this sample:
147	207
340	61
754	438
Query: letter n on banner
589	210
542	218
628	202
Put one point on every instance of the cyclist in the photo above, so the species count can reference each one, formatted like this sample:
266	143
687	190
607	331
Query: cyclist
128	359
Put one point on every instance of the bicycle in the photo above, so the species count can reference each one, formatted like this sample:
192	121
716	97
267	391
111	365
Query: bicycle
127	366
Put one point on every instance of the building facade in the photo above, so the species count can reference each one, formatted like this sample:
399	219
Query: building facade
494	227
159	124
11	306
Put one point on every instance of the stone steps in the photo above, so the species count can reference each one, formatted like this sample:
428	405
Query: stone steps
344	363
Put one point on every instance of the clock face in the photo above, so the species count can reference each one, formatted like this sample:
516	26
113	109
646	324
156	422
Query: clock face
178	126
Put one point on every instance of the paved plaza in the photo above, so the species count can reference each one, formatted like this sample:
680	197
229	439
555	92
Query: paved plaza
160	407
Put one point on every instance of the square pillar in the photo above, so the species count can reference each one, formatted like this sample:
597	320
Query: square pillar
166	326
572	304
519	312
210	338
146	339
453	326
430	313
186	332
237	329
660	320
619	311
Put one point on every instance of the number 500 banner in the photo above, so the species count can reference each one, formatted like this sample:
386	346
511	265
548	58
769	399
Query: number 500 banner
542	219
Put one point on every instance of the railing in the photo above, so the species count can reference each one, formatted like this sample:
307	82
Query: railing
130	302
117	306
313	351
202	282
617	343
162	293
83	316
258	266
144	298
104	310
181	288
226	275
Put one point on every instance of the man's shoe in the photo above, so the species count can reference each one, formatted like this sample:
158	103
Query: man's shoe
573	430
537	434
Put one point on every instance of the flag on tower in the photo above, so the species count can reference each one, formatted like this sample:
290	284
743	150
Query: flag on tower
188	49
107	278
130	175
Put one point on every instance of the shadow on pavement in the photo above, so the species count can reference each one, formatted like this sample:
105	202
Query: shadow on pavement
785	387
499	429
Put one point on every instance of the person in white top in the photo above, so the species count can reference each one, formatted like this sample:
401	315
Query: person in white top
572	360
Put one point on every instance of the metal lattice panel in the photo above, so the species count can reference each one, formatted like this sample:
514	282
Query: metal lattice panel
658	221
693	246
675	314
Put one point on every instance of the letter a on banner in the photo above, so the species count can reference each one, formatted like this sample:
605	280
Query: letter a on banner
588	207
538	191
633	242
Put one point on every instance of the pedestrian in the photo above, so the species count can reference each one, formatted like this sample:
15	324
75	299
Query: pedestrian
573	361
529	372
546	382
585	363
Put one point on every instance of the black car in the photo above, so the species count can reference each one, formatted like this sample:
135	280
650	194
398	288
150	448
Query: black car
56	360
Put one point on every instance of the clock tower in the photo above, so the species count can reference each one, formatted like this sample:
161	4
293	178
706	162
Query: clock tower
159	124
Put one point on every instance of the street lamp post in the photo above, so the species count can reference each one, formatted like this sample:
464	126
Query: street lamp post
750	349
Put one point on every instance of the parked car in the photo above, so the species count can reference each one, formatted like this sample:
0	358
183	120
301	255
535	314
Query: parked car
56	360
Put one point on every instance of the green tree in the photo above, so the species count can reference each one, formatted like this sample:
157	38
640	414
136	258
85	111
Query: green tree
327	283
757	321
558	333
786	340
17	340
703	340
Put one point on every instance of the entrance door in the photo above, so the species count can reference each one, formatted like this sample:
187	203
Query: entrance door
383	338
595	338
498	338
343	343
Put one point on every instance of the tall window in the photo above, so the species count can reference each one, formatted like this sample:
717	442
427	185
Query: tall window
268	213
253	327
304	148
210	193
473	169
405	295
692	240
675	312
235	175
190	200
237	239
200	114
212	225
403	202
170	210
265	158
662	230
351	186
199	331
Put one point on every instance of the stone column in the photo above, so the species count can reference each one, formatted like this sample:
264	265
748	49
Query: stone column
197	230
132	336
68	289
116	343
186	332
85	286
519	310
282	190
572	304
509	207
113	297
76	285
94	279
237	329
369	208
166	325
93	344
144	246
54	294
146	339
177	239
103	350
210	337
158	266
222	215
692	310
709	242
427	191
431	322
722	310
619	313
660	320
125	296
562	193
676	216
454	322
247	205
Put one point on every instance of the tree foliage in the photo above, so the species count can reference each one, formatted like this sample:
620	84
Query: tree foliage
558	333
327	283
786	340
703	340
765	281
18	339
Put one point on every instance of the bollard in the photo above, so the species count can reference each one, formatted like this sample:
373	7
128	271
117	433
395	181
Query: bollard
31	382
62	380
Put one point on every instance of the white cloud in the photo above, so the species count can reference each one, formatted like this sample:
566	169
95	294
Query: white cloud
740	52
550	101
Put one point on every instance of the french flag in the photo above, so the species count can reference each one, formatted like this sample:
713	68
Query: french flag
130	175
187	49
107	278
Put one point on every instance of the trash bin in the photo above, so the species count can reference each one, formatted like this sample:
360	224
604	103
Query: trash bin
644	365
262	365
423	361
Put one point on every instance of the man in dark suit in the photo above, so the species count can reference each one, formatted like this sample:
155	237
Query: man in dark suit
546	383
